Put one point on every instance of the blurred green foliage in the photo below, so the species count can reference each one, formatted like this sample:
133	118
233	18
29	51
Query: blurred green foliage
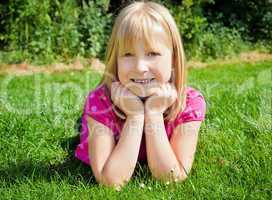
49	30
215	29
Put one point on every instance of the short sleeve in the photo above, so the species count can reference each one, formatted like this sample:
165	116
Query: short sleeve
195	108
98	107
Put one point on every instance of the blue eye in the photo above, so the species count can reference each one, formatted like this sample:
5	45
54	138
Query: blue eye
153	54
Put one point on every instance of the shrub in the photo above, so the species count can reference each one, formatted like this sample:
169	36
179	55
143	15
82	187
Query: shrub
217	42
94	27
46	30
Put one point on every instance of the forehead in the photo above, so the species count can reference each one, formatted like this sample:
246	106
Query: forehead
151	32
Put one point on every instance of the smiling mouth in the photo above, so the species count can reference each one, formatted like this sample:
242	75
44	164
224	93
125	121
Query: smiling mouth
142	81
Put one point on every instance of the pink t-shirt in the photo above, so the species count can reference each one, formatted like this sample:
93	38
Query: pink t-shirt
98	105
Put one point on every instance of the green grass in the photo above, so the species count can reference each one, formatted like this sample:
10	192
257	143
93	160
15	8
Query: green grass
38	116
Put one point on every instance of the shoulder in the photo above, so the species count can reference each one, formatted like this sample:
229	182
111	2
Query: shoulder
193	96
195	106
97	101
98	106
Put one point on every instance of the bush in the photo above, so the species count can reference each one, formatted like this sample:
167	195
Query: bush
29	27
217	42
94	27
46	30
203	40
253	18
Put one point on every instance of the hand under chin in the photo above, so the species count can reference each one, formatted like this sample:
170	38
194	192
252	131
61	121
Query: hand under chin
142	91
143	94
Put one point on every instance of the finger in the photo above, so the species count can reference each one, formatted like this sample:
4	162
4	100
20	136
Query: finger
174	90
114	86
154	91
170	88
173	94
130	94
115	92
120	91
173	86
112	90
164	91
124	91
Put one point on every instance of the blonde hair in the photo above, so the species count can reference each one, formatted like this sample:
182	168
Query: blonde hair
136	21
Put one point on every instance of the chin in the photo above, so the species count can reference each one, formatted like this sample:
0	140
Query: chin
138	92
141	91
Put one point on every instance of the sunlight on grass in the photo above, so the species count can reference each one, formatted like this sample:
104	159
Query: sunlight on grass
38	130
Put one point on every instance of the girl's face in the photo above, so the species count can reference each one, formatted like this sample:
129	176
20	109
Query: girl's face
140	68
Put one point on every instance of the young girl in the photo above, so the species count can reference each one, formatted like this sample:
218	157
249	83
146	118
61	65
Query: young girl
142	109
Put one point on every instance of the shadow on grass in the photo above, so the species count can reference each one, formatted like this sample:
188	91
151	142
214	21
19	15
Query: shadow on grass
71	170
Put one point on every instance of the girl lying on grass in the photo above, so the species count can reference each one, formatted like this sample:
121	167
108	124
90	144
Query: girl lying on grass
142	109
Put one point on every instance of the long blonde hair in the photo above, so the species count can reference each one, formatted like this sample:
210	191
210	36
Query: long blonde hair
135	21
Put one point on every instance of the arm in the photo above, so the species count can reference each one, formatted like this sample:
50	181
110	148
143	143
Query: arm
160	156
184	143
112	164
166	159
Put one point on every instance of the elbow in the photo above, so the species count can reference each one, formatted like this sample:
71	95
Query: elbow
171	176
167	179
112	177
181	178
110	180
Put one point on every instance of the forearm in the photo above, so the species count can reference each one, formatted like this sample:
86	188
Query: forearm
122	161
161	158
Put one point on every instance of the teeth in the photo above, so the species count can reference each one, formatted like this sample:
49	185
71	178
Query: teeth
143	81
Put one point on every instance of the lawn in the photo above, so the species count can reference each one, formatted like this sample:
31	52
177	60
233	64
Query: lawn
38	133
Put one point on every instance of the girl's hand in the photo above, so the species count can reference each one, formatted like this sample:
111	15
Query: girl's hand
163	97
125	100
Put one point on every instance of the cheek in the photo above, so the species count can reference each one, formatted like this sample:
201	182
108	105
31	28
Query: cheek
163	72
164	77
123	70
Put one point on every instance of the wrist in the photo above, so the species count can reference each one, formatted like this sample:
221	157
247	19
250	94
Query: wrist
153	116
139	117
154	123
151	112
135	124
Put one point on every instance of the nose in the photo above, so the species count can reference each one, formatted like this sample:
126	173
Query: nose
141	65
